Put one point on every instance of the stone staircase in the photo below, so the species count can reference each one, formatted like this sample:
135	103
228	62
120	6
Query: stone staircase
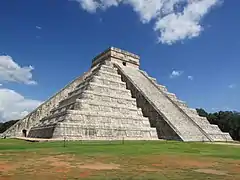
184	121
98	108
211	130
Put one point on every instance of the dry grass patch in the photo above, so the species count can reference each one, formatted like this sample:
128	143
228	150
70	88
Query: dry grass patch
99	166
211	171
178	162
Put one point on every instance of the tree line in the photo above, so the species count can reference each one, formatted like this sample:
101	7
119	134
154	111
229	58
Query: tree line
6	125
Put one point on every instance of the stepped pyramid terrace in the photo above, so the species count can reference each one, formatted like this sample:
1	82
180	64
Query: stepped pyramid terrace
115	99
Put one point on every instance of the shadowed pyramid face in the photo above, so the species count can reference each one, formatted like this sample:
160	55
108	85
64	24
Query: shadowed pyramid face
117	56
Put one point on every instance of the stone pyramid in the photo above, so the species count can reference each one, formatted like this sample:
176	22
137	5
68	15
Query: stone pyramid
99	108
115	100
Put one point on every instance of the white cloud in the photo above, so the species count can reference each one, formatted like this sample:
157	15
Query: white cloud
190	78
175	20
10	71
175	74
0	84
14	106
179	26
38	27
232	86
88	5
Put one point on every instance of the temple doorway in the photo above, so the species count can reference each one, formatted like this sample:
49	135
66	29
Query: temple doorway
24	132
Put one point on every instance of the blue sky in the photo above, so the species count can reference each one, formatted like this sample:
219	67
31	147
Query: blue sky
45	44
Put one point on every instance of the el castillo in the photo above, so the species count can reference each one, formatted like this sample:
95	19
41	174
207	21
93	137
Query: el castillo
115	99
119	90
116	122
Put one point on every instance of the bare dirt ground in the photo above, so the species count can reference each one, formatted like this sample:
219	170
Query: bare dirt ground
26	166
21	160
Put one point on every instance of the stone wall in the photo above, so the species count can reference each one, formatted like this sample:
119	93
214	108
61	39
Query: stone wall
43	110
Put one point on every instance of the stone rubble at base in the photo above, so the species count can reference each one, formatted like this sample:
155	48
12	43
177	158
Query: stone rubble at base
116	100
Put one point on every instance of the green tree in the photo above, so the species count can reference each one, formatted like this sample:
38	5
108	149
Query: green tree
6	125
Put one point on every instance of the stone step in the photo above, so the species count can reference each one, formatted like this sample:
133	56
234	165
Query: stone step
93	131
162	88
153	79
108	75
199	120
86	80
79	114
71	99
92	125
221	137
193	137
210	128
79	95
109	90
69	106
102	124
108	114
104	74
88	117
94	87
72	96
100	88
172	96
207	127
109	69
227	136
109	82
78	132
116	83
180	103
56	115
190	111
91	95
106	68
104	107
52	118
144	72
104	103
80	87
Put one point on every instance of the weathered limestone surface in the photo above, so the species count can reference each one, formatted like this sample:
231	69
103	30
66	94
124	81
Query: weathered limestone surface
115	100
183	126
213	131
172	118
99	108
43	110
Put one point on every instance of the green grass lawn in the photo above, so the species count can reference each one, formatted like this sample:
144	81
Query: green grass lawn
118	160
